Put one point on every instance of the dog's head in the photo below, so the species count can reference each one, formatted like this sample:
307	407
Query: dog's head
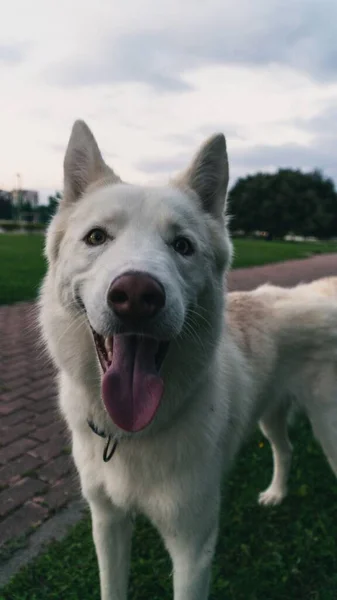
144	265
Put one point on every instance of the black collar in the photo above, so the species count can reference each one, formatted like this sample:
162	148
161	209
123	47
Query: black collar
95	429
107	454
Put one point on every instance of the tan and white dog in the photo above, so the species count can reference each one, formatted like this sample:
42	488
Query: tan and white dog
160	380
274	423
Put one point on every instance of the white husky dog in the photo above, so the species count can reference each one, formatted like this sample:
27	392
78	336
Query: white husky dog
158	386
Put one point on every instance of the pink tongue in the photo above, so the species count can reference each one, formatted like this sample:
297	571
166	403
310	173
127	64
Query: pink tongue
132	388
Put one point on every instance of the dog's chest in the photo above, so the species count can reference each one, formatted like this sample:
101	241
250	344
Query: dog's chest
140	482
152	476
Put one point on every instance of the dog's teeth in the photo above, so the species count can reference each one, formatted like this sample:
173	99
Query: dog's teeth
109	356
108	344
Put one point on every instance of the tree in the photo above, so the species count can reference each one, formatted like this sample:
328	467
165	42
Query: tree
45	212
283	202
5	205
53	202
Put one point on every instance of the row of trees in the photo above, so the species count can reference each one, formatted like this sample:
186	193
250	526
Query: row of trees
288	201
6	210
41	213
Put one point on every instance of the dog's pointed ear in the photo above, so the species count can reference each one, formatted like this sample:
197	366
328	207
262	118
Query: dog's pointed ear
208	175
83	163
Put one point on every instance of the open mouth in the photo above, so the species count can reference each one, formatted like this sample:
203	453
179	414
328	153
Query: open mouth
132	387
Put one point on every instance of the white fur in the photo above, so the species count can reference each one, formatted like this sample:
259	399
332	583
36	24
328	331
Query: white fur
274	423
226	367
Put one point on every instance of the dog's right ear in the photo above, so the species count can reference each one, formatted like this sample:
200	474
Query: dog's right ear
83	163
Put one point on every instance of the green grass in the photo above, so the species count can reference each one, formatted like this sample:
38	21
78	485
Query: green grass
249	253
276	554
23	265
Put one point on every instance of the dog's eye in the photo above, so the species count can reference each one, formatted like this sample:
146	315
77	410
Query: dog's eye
183	246
95	237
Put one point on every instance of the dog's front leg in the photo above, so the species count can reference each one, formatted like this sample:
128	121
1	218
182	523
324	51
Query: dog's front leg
191	543
192	560
112	531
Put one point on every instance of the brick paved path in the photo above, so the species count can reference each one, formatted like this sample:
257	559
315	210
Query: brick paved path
36	473
36	476
286	274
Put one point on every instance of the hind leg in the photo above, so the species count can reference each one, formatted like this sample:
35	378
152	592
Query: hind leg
324	425
274	427
321	408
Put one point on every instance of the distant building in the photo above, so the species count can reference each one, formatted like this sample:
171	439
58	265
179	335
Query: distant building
20	197
24	203
19	204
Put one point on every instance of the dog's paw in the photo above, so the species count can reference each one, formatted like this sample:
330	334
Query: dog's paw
271	496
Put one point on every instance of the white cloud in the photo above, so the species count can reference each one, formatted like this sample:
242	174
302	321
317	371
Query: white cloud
153	79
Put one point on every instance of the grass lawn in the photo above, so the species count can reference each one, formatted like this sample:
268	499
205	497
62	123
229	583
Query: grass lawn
249	253
282	553
22	267
22	263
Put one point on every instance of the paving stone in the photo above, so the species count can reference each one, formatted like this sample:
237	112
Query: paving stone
61	493
49	449
20	522
9	434
20	466
15	449
19	493
56	468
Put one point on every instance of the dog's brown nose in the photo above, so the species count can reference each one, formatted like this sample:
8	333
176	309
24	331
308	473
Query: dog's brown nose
136	296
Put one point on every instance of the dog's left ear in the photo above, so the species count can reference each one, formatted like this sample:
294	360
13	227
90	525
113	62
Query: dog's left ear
83	163
208	175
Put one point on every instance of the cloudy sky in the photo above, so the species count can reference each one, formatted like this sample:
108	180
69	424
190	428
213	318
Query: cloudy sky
154	78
